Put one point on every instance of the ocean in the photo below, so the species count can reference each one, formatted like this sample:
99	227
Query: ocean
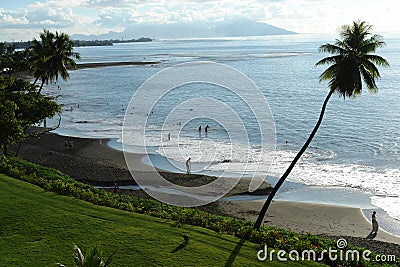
357	147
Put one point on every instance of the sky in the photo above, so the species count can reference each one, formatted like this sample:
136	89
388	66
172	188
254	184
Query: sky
25	19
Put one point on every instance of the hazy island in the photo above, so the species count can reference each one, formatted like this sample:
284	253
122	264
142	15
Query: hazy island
80	43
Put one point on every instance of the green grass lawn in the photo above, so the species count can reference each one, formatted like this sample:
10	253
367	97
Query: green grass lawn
39	228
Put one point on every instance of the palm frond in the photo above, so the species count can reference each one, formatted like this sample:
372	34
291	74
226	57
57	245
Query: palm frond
328	74
370	67
78	256
369	80
328	60
331	48
378	60
109	260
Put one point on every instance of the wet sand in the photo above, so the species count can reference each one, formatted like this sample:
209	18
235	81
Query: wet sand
113	64
27	76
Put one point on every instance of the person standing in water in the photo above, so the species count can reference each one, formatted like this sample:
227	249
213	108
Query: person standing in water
188	166
375	225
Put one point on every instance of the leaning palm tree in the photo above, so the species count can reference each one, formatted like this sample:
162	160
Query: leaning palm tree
51	56
352	61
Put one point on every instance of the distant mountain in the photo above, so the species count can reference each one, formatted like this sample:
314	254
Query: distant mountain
230	28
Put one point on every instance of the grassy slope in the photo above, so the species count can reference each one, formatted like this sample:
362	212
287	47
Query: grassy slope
39	228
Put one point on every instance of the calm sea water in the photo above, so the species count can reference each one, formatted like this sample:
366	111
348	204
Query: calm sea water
357	146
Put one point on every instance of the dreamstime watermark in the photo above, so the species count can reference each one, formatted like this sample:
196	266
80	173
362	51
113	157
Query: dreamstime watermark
153	119
339	253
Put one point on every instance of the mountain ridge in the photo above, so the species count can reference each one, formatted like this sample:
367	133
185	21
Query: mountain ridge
229	28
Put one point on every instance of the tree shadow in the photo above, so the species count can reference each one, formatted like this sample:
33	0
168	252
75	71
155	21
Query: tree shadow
371	235
234	253
181	246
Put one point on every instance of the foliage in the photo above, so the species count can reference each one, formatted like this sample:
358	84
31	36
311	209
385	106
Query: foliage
93	257
11	60
21	106
77	43
51	56
19	44
60	183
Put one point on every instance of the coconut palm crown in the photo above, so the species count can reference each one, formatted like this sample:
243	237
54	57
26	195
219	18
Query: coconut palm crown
352	61
52	56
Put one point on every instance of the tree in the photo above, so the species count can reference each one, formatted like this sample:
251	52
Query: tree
21	107
11	60
352	62
51	56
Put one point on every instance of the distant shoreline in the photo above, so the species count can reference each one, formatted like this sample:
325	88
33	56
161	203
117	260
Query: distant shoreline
113	64
27	76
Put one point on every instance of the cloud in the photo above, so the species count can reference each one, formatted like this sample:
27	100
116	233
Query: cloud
119	3
37	18
57	4
11	18
152	11
100	16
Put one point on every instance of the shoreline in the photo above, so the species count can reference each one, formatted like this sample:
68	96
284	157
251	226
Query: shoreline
113	64
93	161
27	76
322	219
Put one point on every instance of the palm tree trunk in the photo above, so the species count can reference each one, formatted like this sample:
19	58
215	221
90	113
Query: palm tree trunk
37	78
267	203
41	87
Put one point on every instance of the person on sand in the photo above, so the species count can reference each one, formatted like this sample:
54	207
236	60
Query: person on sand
116	187
374	224
188	166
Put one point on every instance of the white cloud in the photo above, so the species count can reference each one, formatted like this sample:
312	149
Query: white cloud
9	18
57	4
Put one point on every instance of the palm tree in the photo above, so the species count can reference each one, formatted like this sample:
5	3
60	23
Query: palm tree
93	258
352	62
51	56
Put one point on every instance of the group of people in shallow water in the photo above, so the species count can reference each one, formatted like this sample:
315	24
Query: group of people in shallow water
205	129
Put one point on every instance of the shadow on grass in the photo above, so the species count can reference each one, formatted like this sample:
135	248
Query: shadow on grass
182	245
234	253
